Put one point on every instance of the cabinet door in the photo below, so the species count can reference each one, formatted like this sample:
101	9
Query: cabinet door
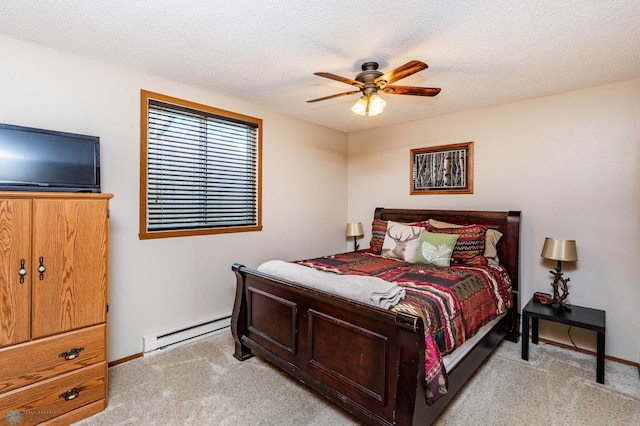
15	254
70	241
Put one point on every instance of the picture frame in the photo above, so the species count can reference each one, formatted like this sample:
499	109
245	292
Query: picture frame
444	169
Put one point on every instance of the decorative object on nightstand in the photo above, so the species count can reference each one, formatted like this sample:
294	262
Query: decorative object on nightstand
355	230
560	251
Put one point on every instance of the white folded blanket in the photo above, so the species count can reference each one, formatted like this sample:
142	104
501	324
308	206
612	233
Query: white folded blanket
371	290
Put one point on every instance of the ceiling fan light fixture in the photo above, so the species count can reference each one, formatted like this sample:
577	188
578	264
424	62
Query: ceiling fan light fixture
360	107
372	105
376	104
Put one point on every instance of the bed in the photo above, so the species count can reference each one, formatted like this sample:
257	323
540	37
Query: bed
366	359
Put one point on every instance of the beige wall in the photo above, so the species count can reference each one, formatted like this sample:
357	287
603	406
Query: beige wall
160	284
570	163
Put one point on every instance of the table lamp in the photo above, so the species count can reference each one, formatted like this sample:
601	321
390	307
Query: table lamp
355	230
560	251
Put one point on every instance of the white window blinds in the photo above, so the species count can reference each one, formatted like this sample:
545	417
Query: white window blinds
202	169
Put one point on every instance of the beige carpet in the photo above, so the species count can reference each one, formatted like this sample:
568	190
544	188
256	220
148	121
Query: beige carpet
202	384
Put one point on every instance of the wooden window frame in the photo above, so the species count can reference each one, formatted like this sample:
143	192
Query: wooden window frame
145	98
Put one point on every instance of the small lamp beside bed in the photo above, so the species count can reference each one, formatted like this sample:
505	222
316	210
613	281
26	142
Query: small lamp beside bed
560	251
355	230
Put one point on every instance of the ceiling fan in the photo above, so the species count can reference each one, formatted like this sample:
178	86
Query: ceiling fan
371	81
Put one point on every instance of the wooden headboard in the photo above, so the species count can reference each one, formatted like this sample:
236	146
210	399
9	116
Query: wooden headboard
506	222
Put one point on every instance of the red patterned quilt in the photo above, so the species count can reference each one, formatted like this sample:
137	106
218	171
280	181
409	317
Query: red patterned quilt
454	302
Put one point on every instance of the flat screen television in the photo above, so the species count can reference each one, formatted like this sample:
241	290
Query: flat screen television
47	160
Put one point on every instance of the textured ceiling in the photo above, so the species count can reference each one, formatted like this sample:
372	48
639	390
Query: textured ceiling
480	53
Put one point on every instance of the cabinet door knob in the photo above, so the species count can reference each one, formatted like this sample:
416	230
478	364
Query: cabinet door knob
41	268
72	393
22	271
70	354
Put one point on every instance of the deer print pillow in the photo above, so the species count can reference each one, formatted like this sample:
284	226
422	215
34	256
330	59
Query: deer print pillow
401	241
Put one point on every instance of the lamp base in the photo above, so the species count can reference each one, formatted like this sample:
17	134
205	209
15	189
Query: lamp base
562	307
560	291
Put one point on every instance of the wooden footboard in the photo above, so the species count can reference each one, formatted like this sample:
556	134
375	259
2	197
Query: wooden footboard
367	360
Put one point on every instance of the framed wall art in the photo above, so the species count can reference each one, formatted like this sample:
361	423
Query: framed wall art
445	169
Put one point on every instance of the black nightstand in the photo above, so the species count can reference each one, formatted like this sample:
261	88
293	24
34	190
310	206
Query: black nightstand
591	319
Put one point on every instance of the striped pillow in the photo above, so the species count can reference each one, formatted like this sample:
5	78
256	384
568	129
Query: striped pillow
469	249
490	242
378	231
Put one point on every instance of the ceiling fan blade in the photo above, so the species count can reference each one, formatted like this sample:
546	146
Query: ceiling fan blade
401	72
335	96
339	78
411	90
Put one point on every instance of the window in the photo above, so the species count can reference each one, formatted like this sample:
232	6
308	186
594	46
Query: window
200	169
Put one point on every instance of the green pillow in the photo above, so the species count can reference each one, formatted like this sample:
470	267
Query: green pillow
435	249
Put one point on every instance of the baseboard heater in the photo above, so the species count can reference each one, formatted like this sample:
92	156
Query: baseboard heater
184	334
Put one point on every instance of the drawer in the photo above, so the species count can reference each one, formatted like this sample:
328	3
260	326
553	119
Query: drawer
50	398
30	362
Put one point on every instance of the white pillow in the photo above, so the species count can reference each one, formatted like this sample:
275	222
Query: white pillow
401	241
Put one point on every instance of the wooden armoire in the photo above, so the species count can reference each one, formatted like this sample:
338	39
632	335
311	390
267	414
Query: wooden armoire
54	270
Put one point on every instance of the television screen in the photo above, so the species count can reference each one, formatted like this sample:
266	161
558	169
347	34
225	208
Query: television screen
46	160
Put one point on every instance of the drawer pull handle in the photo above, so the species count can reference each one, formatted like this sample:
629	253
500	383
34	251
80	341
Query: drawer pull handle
71	353
72	393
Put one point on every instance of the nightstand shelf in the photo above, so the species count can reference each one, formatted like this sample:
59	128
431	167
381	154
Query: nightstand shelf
588	318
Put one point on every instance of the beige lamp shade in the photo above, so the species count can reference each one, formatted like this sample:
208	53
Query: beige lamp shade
562	250
355	230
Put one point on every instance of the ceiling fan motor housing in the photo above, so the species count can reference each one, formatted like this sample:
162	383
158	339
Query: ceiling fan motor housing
368	76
